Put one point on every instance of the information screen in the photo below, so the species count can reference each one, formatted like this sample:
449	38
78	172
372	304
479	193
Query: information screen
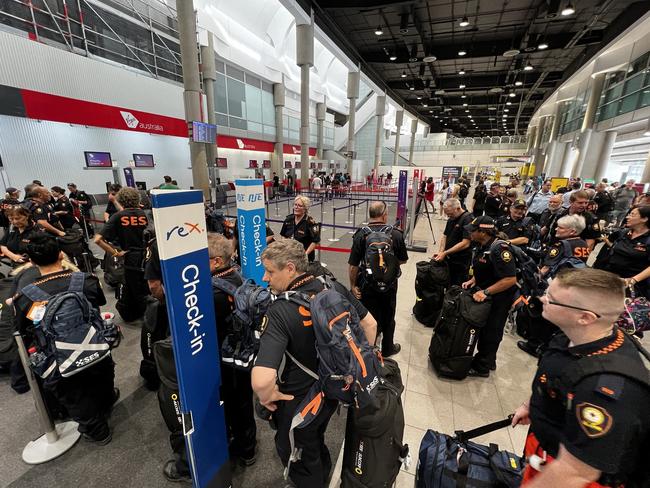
287	164
202	132
266	163
222	162
252	163
143	160
98	159
297	166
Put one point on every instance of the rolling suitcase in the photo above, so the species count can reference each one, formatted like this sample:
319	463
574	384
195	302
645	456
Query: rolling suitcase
456	332
449	461
430	282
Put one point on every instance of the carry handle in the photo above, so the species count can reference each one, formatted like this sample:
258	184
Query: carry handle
462	436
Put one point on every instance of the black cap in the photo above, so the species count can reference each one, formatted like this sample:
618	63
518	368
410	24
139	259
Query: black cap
11	189
519	203
480	223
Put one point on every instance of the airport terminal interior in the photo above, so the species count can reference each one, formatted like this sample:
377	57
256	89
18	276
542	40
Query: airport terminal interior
347	102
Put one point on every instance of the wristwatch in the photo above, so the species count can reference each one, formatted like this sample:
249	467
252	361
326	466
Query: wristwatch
486	292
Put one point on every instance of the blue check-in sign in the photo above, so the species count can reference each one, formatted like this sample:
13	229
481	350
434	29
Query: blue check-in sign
181	235
251	227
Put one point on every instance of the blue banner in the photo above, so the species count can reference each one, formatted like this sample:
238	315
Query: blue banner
251	227
181	234
402	192
128	177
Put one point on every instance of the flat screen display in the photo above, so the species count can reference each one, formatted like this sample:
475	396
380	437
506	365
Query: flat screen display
222	162
143	160
287	165
266	163
98	159
252	163
297	166
202	132
312	165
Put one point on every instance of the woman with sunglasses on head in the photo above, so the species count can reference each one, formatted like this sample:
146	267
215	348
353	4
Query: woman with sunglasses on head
627	252
302	227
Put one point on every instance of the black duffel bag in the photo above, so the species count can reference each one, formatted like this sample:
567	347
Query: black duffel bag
155	328
113	270
532	326
431	279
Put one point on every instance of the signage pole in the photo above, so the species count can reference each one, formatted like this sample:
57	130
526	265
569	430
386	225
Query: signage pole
401	198
179	220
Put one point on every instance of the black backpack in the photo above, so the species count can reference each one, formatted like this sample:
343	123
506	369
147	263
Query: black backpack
155	327
529	279
463	191
380	266
431	280
250	302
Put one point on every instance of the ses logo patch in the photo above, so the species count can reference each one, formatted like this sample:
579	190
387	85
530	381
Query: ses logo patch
184	230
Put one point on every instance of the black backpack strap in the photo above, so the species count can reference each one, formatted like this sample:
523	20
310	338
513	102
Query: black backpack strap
224	285
464	436
566	247
35	294
77	280
296	297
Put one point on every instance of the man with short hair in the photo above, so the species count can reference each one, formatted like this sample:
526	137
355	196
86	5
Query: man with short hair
538	202
554	207
566	197
288	329
579	201
82	203
168	184
588	408
381	304
623	199
493	202
37	202
88	395
455	242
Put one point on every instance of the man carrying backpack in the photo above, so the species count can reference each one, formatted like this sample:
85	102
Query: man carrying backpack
588	410
288	330
87	394
378	251
495	276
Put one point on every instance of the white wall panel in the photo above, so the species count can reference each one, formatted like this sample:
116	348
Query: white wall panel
30	65
54	153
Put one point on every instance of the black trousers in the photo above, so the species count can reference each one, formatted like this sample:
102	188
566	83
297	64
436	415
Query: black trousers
315	464
458	272
237	395
491	334
88	397
131	302
170	407
382	307
18	377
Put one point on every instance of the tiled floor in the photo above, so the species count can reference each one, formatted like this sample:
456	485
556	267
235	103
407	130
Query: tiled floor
445	405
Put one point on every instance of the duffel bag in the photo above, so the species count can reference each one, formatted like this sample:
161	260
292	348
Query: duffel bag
426	310
430	275
447	462
113	270
155	328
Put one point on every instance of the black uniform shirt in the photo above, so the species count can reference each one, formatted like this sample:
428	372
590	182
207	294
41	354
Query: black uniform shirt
556	252
223	303
6	205
110	209
126	229
152	269
17	241
358	251
288	328
42	211
603	420
83	200
456	231
516	228
63	205
493	205
592	227
306	231
628	256
490	267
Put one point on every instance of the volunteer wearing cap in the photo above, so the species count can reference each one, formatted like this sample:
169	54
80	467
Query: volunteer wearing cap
493	202
516	225
494	273
588	409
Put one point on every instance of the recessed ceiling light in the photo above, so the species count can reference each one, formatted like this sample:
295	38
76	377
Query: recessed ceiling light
568	10
425	104
403	74
412	88
505	116
461	86
392	57
506	110
512	94
462	52
419	97
429	59
528	67
518	83
379	31
492	108
508	103
461	72
466	111
464	105
464	22
511	53
491	118
542	46
463	96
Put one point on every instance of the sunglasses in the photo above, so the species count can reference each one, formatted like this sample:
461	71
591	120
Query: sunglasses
558	304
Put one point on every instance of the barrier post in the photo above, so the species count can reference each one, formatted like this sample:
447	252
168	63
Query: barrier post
288	206
56	440
333	238
354	220
365	217
277	210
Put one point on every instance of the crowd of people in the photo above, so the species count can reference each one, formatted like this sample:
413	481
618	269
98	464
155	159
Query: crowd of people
480	247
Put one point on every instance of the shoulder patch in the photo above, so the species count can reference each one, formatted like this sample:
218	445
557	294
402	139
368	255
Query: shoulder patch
554	252
265	321
595	421
506	256
596	226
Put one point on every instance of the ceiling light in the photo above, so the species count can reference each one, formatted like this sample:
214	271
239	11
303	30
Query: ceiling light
461	86
462	52
492	108
466	111
528	67
512	94
403	74
392	57
412	88
429	59
404	23
425	104
463	96
505	116
508	103
419	97
491	118
464	22
506	110
461	72
518	83
542	46
464	105
379	31
568	10
511	53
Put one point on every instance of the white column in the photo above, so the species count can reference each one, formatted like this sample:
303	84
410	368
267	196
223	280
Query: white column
304	59
588	123
538	150
380	111
353	94
646	171
567	160
279	101
321	110
399	119
605	154
414	129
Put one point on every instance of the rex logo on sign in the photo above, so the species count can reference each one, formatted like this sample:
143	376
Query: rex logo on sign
183	230
129	119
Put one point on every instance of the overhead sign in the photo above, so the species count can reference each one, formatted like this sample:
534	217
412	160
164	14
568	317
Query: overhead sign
183	248
452	171
401	198
251	227
202	132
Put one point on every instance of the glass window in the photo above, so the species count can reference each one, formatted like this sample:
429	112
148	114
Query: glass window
294	124
628	104
253	80
222	120
253	104
267	87
236	98
268	109
220	94
221	66
237	123
645	98
255	127
609	110
638	65
234	72
633	84
614	93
